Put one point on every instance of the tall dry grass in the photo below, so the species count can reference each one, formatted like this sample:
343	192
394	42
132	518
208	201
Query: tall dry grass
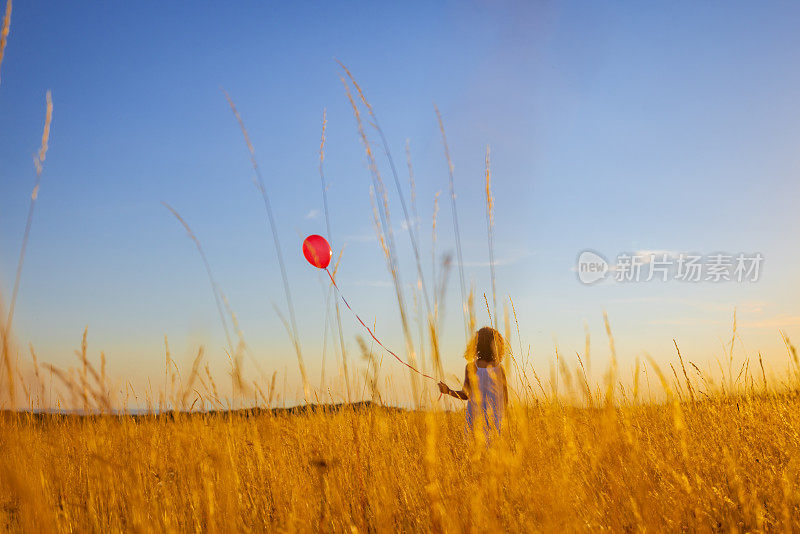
4	31
291	324
383	224
456	229
342	348
723	462
701	455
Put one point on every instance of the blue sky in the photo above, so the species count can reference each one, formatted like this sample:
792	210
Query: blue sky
616	127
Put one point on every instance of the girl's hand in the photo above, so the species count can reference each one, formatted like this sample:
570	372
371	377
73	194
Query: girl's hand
443	388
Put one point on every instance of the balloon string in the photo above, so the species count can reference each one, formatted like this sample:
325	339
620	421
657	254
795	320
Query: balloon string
378	341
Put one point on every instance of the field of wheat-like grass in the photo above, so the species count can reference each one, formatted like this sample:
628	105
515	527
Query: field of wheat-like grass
724	463
697	454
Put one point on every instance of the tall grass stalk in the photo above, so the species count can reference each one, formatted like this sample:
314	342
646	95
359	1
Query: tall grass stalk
330	239
434	220
293	333
38	161
490	233
412	184
383	226
438	293
450	171
214	286
411	225
4	32
326	295
423	317
331	293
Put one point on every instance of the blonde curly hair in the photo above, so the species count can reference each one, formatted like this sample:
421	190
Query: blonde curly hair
487	344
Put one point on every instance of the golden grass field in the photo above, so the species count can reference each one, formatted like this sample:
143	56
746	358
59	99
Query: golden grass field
693	454
727	463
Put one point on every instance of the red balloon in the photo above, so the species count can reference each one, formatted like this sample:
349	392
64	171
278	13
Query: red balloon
317	251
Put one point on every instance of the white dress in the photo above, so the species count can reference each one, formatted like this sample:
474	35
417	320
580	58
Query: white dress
486	404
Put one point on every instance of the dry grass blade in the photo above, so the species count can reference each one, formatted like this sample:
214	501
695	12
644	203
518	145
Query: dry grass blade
413	188
4	32
409	223
433	241
683	368
383	228
293	333
730	352
187	389
38	161
612	371
792	353
6	329
450	169
214	287
490	233
330	239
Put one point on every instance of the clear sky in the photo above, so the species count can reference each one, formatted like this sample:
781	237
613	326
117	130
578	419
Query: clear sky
616	127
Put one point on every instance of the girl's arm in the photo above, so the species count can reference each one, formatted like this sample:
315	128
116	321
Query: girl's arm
463	393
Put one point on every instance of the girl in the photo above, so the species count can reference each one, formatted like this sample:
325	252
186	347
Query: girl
485	388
